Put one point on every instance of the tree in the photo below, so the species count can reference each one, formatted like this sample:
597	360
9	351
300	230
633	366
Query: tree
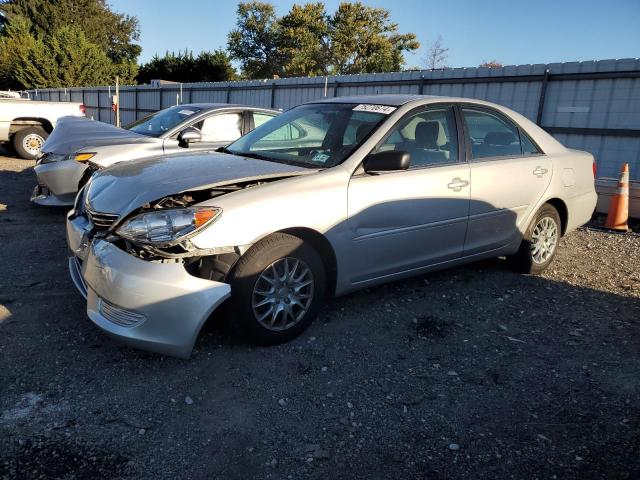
113	32
183	67
437	55
307	41
303	40
254	43
15	45
364	40
491	64
65	58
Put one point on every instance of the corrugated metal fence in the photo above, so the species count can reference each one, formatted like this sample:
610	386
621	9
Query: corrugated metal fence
593	106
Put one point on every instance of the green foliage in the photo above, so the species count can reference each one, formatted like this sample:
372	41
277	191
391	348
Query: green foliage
60	43
15	45
67	58
304	40
184	67
254	43
113	32
307	41
364	40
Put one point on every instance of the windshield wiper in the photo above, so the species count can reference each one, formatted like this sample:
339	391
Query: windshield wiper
257	156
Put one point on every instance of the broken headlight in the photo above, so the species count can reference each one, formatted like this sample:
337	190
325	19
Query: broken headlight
164	228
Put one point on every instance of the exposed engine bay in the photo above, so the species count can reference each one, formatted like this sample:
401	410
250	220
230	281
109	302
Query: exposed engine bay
210	264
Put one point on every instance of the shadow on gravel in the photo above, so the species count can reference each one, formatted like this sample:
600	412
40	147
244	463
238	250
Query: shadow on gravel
18	180
49	458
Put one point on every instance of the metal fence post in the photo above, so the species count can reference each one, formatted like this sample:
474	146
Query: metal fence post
229	94
273	93
135	103
422	82
99	110
336	84
543	93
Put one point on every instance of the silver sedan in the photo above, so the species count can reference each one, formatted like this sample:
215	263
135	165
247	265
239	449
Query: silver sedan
79	146
324	199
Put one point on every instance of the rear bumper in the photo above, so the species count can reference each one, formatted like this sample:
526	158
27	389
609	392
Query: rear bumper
148	305
57	183
580	208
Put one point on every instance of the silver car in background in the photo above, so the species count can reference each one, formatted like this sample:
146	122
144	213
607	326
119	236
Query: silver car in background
324	199
78	146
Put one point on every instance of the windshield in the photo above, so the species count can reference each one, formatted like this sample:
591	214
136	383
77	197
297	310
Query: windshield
319	135
157	123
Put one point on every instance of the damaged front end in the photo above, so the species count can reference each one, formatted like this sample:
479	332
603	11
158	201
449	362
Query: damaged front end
161	230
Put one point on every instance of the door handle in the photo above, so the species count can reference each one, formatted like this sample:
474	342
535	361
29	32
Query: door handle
457	184
539	171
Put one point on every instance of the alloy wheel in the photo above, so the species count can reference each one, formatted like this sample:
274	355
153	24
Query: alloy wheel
544	240
283	294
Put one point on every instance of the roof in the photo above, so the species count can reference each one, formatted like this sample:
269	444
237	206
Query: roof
394	100
214	106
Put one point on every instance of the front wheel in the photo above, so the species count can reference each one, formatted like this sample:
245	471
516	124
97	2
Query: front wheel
540	242
28	142
276	289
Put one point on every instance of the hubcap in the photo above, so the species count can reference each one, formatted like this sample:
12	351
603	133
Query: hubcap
282	294
544	240
32	143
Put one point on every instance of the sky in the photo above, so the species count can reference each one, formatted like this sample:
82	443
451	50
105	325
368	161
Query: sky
512	32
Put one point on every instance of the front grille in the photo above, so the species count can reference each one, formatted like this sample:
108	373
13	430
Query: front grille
120	316
102	220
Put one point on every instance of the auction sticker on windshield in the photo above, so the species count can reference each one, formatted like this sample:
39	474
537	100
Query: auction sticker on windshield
366	107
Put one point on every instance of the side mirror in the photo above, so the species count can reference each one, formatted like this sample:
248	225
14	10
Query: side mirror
188	135
387	161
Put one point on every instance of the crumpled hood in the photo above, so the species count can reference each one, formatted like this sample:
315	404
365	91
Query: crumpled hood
75	133
128	185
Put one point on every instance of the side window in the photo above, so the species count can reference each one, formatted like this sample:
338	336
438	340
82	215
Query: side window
225	127
491	135
430	137
528	148
287	132
259	118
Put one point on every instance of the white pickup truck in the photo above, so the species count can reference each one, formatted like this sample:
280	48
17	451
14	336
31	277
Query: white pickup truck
26	124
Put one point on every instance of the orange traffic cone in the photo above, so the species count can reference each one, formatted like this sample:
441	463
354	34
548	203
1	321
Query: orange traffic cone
619	206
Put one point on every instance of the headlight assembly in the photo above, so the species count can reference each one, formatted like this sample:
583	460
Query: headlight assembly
83	157
164	228
52	158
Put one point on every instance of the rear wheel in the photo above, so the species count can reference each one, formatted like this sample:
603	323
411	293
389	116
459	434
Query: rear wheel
540	242
276	289
28	142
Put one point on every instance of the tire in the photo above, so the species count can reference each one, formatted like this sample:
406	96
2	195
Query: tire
250	287
28	142
528	259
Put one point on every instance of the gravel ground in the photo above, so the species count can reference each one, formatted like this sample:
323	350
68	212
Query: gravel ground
474	372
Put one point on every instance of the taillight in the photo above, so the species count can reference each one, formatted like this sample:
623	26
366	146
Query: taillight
594	169
83	109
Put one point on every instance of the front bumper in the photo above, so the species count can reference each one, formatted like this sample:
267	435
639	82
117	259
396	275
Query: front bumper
149	305
57	183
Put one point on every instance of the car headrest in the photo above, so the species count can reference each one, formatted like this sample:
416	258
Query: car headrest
362	131
427	134
499	138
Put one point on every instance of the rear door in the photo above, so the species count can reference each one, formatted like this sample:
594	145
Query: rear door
509	174
405	220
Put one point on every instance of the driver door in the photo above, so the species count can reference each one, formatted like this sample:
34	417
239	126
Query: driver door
405	220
